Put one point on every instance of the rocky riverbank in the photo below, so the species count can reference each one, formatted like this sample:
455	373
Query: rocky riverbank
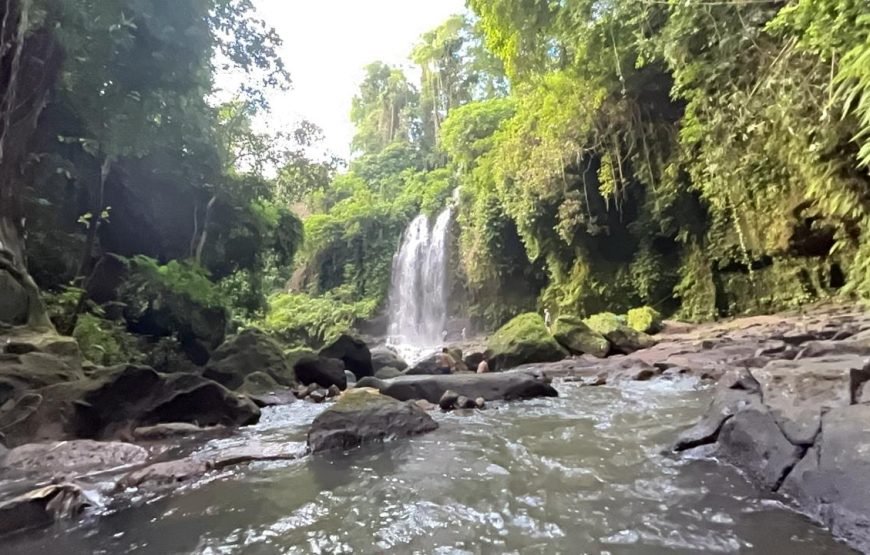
790	408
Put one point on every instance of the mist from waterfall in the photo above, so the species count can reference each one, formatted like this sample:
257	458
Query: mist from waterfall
418	289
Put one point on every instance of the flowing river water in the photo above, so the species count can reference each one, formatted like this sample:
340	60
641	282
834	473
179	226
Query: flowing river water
583	473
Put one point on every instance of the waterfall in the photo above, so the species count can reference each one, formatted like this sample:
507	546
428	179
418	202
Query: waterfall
418	289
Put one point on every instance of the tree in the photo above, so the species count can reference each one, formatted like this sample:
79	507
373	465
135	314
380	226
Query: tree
384	109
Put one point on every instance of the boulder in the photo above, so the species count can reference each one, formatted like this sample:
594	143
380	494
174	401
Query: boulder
106	279
383	357
363	416
42	507
322	371
506	386
753	442
387	372
799	391
426	367
263	390
247	352
622	338
113	401
353	352
572	333
80	456
645	319
448	400
523	340
830	482
173	429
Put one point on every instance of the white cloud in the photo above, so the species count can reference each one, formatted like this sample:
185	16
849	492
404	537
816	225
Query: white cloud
328	42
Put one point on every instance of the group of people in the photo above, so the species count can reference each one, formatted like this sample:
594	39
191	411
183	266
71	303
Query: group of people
446	364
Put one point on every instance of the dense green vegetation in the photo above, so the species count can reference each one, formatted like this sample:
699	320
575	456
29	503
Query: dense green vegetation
698	158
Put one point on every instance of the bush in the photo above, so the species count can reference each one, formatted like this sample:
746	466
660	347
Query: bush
301	319
645	319
103	342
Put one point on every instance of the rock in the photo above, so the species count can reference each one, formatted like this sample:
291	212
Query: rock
448	400
113	401
172	429
465	403
724	406
247	352
426	367
362	416
622	338
523	340
645	319
387	372
322	371
646	374
263	390
384	357
830	482
333	391
350	378
572	333
73	456
753	442
797	392
480	403
472	360
507	386
106	279
353	352
42	507
318	395
422	403
14	303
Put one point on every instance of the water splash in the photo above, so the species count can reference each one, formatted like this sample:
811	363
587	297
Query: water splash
418	290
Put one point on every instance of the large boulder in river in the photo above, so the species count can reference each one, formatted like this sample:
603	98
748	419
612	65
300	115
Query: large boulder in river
506	386
364	416
322	371
572	333
624	339
353	352
82	455
523	340
247	352
383	357
644	319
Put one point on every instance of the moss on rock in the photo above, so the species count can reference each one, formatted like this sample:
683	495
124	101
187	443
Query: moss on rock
623	338
575	335
645	319
523	340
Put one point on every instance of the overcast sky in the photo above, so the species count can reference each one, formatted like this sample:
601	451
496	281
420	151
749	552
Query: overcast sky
328	42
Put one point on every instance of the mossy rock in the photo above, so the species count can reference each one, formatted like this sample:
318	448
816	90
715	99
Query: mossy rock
572	333
249	351
645	319
622	338
523	340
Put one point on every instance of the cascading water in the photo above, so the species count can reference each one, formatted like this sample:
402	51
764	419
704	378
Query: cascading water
418	292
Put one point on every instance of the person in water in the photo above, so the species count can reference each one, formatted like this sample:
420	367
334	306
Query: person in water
445	362
483	367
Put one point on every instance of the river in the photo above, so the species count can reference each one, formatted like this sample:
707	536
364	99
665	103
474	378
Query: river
584	473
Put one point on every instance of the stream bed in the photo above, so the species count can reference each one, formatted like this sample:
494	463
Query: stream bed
582	473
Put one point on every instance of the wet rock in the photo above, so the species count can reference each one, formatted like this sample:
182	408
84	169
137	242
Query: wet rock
165	473
350	377
646	374
523	340
472	360
318	395
172	429
724	406
73	456
113	401
384	357
816	349
353	352
425	405
622	338
797	392
426	367
753	442
322	371
508	386
362	416
572	333
830	482
448	400
333	391
248	352
42	507
387	373
264	391
463	402
480	403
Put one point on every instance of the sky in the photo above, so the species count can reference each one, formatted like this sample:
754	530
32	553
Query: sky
328	42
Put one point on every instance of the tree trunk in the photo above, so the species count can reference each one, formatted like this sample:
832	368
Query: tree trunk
29	67
204	236
97	207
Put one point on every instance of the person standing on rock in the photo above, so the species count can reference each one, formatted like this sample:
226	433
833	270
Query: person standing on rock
444	362
483	367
